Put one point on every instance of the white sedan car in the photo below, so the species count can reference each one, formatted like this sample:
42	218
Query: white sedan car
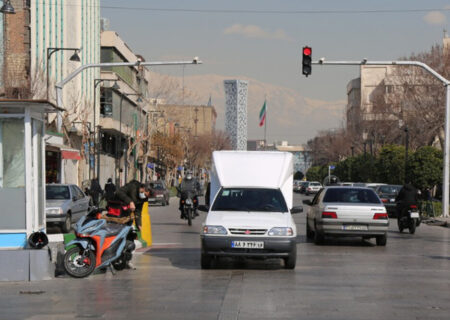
346	212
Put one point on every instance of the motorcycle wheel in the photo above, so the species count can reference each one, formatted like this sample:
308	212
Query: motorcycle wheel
400	225
189	216
77	264
412	226
120	263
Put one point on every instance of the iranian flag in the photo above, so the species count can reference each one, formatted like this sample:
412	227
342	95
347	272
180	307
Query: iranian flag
262	115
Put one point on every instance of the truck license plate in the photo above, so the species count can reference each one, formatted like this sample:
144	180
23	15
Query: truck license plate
354	227
247	244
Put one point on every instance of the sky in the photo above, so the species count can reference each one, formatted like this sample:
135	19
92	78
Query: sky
267	46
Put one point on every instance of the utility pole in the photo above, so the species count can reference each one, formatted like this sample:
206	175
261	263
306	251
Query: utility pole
446	83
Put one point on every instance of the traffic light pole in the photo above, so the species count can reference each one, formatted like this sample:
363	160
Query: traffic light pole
446	83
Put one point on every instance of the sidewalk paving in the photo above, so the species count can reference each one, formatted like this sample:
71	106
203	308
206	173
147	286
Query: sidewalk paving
437	221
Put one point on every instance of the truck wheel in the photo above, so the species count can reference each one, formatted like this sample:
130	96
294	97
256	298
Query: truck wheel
289	262
381	240
205	261
67	224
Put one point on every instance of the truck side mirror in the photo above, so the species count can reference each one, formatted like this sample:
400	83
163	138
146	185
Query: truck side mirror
307	202
297	209
203	208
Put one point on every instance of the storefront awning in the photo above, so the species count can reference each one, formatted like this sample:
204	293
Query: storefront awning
72	155
66	152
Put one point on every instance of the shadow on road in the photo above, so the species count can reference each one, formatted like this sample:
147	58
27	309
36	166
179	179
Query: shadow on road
189	258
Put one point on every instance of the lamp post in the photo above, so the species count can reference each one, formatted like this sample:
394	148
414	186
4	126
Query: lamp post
75	57
116	87
73	129
120	130
7	7
406	151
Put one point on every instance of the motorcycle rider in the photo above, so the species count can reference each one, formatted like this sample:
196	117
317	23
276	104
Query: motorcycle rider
189	185
134	194
406	197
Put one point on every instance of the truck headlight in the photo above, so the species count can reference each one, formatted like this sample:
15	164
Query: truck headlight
54	210
214	230
281	231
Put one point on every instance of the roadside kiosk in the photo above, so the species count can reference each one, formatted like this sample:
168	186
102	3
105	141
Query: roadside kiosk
22	187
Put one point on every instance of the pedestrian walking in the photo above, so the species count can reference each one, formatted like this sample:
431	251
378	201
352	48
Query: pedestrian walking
95	191
110	188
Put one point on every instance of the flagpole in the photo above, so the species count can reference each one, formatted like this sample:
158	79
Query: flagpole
265	125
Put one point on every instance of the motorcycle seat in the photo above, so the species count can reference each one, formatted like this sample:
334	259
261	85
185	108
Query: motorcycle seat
113	229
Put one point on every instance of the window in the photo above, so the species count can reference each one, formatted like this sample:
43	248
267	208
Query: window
250	199
351	195
57	192
12	153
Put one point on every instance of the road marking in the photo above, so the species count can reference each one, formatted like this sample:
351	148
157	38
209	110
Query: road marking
231	301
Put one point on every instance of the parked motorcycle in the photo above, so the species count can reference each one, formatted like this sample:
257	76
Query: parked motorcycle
99	244
410	220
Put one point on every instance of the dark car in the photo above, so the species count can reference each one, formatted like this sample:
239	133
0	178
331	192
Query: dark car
387	194
303	186
159	193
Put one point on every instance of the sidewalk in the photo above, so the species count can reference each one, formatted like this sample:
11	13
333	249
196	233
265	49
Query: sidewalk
438	221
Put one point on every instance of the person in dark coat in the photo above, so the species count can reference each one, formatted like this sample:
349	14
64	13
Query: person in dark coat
134	194
110	189
95	191
407	196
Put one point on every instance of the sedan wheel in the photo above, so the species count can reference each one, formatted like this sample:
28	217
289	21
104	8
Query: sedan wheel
319	238
67	225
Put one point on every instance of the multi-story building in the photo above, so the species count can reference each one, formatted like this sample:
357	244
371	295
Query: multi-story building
47	37
124	113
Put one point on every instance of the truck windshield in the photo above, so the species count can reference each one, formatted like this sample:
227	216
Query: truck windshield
250	199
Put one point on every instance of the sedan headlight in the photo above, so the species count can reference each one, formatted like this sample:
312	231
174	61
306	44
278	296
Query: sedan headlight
214	230
54	210
281	231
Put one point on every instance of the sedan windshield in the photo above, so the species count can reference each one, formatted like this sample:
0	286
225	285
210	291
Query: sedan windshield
250	199
57	192
351	195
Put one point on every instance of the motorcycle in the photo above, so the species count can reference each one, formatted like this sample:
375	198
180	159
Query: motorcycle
189	206
99	244
410	220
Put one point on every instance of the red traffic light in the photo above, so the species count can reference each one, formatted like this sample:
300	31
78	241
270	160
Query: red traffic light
307	51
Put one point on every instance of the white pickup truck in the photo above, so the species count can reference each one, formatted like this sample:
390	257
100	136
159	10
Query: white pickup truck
250	216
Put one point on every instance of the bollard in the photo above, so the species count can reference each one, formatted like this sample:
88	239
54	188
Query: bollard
146	228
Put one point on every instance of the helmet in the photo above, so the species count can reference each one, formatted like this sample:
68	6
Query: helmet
38	240
333	180
189	175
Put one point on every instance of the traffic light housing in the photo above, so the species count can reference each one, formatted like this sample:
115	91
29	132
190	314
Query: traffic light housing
306	61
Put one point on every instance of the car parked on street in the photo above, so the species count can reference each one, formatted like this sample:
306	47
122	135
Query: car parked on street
297	185
387	194
346	211
65	204
313	187
159	193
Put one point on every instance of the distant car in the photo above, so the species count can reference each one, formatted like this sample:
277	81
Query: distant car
159	193
387	194
374	185
346	211
303	186
353	184
65	204
297	185
313	187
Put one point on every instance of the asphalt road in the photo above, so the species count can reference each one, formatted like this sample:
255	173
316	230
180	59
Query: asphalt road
343	279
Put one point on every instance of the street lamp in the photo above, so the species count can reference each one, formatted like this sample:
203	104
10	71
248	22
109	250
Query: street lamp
75	57
7	7
120	128
96	83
